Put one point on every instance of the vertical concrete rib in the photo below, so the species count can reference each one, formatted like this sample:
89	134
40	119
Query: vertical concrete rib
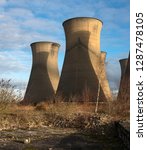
44	75
124	88
105	92
80	66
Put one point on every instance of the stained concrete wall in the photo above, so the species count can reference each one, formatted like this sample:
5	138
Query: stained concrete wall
44	75
81	67
124	89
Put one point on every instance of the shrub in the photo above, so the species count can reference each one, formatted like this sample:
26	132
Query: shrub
8	93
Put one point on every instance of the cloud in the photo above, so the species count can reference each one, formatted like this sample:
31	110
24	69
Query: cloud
21	85
10	63
2	2
36	20
19	31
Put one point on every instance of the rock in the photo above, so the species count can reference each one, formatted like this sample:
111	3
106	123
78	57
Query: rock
27	141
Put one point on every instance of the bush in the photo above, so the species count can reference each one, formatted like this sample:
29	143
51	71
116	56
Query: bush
42	106
8	93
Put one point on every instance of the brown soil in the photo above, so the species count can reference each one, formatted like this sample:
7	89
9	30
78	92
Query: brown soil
47	138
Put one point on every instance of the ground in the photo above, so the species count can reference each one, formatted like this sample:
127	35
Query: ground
48	138
61	126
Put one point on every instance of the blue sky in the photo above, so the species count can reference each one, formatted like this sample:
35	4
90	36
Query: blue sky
23	22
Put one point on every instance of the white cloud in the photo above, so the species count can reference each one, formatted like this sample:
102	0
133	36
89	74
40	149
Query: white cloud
2	2
16	34
10	63
21	85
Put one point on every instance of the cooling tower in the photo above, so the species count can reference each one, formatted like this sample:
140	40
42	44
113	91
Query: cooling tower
124	89
44	76
80	67
105	92
123	65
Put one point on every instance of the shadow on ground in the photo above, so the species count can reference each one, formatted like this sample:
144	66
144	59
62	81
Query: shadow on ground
57	139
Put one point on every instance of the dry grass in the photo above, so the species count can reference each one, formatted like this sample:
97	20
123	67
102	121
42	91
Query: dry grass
120	109
14	115
47	114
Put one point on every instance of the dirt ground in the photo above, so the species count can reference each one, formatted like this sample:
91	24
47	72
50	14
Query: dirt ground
47	138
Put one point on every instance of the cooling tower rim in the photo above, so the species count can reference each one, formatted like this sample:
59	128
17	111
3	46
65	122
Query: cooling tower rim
123	59
104	52
81	18
49	42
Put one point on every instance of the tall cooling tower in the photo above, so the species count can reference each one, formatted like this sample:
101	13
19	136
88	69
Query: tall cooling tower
105	92
44	76
123	65
80	68
124	88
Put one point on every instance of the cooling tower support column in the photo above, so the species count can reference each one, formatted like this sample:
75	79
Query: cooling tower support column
44	76
105	92
79	72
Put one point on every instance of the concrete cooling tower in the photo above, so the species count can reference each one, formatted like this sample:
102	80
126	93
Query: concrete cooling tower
124	89
123	65
44	76
81	64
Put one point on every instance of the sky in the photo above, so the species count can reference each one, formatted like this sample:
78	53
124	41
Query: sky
23	22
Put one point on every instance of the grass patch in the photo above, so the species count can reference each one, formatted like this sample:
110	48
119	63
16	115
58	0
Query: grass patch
60	114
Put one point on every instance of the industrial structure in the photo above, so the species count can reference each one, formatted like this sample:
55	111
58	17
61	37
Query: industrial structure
124	88
123	65
83	70
44	76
